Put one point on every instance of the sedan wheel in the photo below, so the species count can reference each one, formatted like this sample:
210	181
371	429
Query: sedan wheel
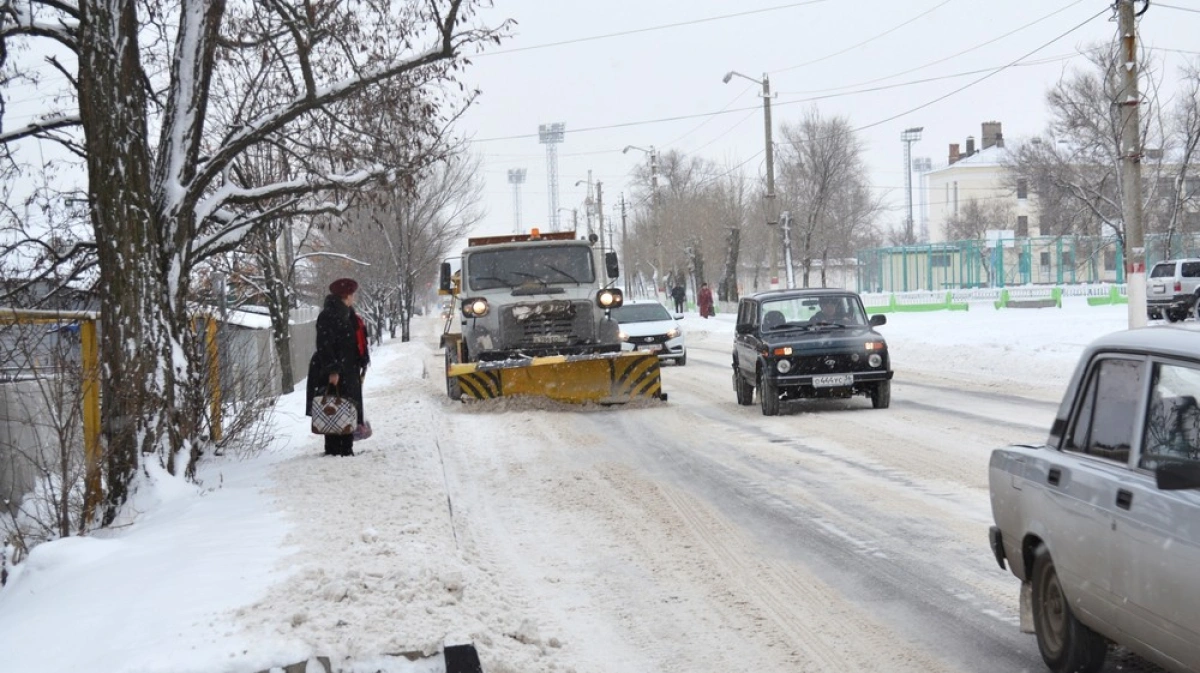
1067	646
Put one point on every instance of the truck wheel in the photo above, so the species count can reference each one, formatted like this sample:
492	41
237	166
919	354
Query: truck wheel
1067	646
881	395
768	395
453	389
745	391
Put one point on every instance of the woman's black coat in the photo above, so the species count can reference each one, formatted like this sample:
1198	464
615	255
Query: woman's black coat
337	351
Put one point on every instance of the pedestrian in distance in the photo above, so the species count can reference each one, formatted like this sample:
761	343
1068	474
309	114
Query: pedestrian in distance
679	294
341	358
705	299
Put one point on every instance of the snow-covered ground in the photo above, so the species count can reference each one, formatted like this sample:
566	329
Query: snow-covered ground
407	546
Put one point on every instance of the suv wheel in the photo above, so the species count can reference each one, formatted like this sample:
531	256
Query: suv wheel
744	389
1067	646
881	395
768	395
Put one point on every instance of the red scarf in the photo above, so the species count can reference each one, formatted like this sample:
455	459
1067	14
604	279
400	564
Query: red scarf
360	333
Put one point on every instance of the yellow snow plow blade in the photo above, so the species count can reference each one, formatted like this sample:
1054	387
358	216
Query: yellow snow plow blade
610	378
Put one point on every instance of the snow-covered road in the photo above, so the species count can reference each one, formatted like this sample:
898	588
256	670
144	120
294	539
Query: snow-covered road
690	536
695	535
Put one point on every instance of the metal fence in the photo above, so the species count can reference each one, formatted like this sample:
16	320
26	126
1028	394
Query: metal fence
1040	260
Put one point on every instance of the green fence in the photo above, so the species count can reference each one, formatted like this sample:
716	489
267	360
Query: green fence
1040	260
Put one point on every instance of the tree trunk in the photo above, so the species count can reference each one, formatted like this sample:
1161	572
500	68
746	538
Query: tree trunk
278	305
126	235
728	290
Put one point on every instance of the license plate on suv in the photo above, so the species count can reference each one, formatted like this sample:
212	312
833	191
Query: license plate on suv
833	380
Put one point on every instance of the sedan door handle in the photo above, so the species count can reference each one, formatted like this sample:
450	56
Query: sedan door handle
1054	476
1124	499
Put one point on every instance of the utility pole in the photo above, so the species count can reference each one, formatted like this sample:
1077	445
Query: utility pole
600	212
624	247
1129	101
772	220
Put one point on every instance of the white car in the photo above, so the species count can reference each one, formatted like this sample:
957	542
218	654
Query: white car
646	325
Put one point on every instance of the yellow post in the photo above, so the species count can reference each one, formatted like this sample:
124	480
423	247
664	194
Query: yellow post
92	489
214	379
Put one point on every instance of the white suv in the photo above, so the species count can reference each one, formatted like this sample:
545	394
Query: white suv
1173	289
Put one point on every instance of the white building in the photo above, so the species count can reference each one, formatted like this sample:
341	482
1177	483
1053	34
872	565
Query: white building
978	174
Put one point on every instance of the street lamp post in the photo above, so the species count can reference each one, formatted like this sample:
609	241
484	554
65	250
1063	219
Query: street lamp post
908	137
653	205
769	199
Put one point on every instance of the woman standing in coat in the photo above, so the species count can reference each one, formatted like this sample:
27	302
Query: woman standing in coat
705	299
341	358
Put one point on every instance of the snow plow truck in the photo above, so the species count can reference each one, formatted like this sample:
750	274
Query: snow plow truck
531	316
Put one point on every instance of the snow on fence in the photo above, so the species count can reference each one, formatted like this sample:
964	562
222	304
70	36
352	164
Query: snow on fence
1097	294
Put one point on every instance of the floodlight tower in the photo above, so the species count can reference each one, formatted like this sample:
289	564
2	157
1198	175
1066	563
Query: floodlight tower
908	137
551	135
516	178
923	165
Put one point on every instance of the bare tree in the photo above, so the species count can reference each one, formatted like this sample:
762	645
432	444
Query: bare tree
973	221
159	208
823	182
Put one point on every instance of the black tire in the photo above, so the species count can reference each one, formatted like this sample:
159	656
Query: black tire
453	389
744	389
1154	314
768	395
1067	646
682	360
881	395
1196	307
1174	316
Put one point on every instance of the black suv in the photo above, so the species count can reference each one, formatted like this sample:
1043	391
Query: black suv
794	344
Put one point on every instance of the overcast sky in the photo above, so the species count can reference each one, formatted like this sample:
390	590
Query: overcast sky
809	49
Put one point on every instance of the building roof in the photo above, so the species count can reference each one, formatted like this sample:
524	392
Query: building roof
990	158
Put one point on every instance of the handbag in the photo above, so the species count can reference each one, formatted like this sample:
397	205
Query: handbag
333	414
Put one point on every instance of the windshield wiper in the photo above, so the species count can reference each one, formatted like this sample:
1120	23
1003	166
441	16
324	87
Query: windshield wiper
555	269
823	323
502	281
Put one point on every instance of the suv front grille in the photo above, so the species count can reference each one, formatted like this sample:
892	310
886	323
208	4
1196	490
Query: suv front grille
826	364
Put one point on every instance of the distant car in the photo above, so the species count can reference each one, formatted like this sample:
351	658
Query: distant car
1102	522
788	347
646	325
1173	289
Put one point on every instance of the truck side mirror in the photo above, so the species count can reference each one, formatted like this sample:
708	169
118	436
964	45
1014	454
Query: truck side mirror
444	282
611	264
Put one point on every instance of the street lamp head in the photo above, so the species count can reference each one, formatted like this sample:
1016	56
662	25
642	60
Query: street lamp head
728	76
580	182
627	148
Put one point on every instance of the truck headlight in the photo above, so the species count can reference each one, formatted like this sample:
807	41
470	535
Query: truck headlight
784	366
875	360
673	332
474	308
610	298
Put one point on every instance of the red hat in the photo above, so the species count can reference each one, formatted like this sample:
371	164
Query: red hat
343	287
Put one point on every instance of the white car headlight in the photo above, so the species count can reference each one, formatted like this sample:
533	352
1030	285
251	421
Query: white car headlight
875	360
623	335
673	332
784	366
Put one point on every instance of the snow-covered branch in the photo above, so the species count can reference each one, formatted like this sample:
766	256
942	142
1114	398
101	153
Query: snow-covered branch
48	124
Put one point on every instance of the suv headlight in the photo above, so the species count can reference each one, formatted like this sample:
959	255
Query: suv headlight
784	366
875	360
610	298
474	308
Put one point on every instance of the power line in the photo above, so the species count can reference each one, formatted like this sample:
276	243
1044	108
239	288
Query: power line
1182	9
990	74
868	40
954	55
649	29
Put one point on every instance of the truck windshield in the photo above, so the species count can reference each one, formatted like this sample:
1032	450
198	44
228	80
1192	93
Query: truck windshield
511	267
